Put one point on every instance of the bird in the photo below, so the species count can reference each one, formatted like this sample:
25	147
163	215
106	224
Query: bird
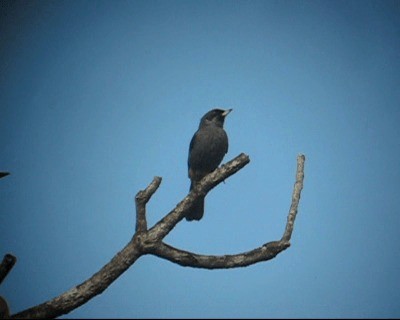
207	148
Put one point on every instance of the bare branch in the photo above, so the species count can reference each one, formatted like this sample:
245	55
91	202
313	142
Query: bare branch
266	252
141	199
4	309
141	243
7	264
298	186
150	242
95	285
188	259
4	174
165	225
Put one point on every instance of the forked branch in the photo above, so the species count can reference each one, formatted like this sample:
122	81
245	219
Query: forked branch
263	253
149	241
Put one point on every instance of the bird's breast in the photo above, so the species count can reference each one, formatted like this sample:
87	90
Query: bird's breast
208	148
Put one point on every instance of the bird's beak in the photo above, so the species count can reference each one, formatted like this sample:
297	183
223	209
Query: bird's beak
225	113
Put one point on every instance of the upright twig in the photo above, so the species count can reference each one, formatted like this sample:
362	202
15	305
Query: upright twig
6	265
141	199
298	186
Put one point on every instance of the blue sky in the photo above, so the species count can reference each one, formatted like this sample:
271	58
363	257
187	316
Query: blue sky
98	97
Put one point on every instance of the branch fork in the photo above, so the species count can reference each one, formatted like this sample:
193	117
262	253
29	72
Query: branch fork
150	241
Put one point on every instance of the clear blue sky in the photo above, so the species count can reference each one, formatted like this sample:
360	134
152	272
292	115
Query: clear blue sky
99	97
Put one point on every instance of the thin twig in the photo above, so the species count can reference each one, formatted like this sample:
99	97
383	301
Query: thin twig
7	264
4	174
298	186
141	199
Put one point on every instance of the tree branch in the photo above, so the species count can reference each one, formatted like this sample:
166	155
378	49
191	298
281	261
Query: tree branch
141	199
4	174
298	186
4	309
266	252
90	288
149	241
7	264
165	225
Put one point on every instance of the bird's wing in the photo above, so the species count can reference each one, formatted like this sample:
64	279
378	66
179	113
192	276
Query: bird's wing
227	143
191	146
192	142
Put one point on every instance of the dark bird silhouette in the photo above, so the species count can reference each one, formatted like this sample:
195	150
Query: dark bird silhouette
206	151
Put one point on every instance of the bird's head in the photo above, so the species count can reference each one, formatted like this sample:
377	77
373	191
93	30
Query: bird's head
215	116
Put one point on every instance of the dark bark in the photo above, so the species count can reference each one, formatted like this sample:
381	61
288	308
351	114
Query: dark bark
6	265
4	174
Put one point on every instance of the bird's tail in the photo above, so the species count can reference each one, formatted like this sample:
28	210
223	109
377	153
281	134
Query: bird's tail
197	210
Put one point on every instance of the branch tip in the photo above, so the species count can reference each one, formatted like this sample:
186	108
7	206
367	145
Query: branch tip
6	265
298	186
4	174
141	199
